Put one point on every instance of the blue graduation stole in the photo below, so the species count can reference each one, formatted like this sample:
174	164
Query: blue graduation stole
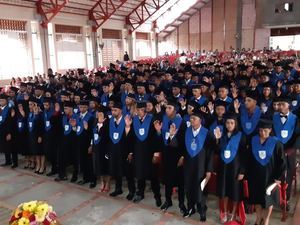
80	125
116	133
214	125
230	148
123	97
200	101
125	111
21	125
142	98
96	137
47	117
76	110
263	152
4	114
296	103
166	126
194	145
285	131
31	121
186	119
104	100
67	125
249	123
141	130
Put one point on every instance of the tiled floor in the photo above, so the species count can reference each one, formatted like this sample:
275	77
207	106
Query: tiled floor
77	205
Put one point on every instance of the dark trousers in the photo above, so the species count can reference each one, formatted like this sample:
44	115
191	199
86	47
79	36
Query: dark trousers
130	183
86	164
11	155
141	184
169	190
291	167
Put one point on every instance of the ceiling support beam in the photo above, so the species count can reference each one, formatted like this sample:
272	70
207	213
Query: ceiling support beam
143	12
102	11
48	9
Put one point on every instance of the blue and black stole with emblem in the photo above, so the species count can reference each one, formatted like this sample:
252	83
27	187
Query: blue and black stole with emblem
116	132
284	132
249	123
263	152
141	129
229	147
194	144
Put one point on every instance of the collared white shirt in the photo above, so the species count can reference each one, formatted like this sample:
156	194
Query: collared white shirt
83	115
119	120
196	132
3	107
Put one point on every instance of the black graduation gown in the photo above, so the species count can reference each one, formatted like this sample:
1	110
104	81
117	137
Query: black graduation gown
100	151
195	170
37	131
117	156
260	177
6	127
52	137
143	153
227	183
67	152
22	136
171	154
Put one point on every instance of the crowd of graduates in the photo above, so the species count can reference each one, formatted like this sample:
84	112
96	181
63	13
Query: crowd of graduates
174	124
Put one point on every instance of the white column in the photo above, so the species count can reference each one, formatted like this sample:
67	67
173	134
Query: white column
89	47
131	46
39	63
99	50
52	47
29	46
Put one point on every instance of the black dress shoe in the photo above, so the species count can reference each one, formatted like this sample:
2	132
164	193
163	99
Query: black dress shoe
202	213
183	210
158	202
82	182
74	179
138	198
52	173
93	185
14	166
130	196
191	212
61	179
116	193
166	205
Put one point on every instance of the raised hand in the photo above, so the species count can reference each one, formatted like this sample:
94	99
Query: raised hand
128	121
217	133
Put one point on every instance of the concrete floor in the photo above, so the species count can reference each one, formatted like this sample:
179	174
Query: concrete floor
78	205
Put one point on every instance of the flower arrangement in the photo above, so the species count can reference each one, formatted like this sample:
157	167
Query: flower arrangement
34	213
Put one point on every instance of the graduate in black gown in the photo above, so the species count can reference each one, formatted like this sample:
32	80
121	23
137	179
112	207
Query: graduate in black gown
22	131
266	166
171	132
143	131
118	151
198	164
84	124
35	135
232	151
6	130
67	151
99	147
287	129
52	134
